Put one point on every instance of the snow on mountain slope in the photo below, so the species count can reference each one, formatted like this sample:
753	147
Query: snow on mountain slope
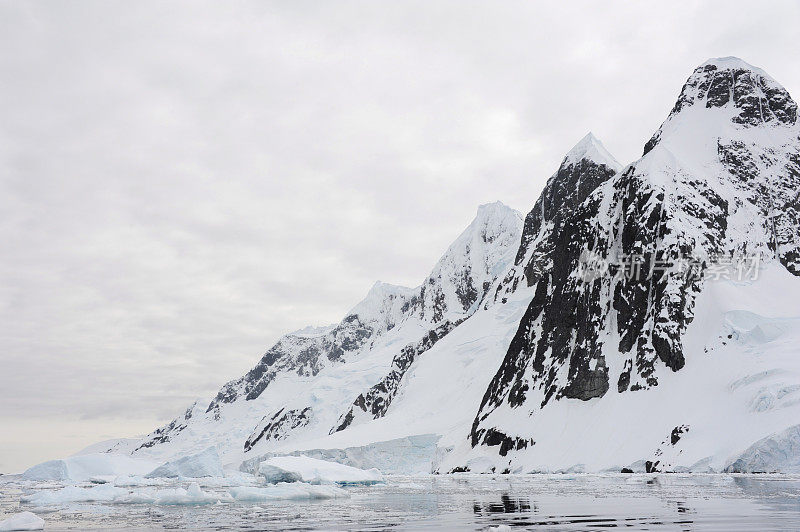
441	391
598	370
738	386
306	381
602	333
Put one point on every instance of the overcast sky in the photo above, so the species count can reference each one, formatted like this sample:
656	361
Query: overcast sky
181	183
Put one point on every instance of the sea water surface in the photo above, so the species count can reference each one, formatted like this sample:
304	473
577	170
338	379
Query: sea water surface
465	502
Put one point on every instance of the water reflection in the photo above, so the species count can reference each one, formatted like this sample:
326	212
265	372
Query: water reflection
507	505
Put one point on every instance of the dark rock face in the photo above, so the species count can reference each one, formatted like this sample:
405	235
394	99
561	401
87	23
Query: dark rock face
278	426
466	292
562	324
571	315
677	432
377	399
654	308
565	191
495	438
771	183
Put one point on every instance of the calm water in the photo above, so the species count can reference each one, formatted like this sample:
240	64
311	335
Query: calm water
473	502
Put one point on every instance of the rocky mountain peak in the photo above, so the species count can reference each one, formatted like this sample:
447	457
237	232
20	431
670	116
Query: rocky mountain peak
585	167
381	305
589	148
737	93
729	82
471	263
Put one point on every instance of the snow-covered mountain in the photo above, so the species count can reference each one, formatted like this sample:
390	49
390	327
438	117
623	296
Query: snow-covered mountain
718	181
642	317
321	380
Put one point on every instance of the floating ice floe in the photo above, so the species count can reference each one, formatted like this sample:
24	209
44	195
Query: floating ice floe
86	467
305	469
297	490
112	494
193	495
103	492
205	464
22	521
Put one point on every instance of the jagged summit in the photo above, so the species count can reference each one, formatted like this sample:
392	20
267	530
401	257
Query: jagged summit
590	148
465	271
733	62
312	331
721	92
491	208
493	217
585	167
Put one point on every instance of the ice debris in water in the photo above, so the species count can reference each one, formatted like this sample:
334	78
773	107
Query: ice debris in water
192	495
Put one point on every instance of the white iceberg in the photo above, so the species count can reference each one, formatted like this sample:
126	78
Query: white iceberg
205	464
50	470
22	521
297	490
410	455
103	492
274	474
313	471
88	466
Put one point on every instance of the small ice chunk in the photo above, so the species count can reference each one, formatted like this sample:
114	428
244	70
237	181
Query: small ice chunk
205	464
296	490
314	471
22	521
